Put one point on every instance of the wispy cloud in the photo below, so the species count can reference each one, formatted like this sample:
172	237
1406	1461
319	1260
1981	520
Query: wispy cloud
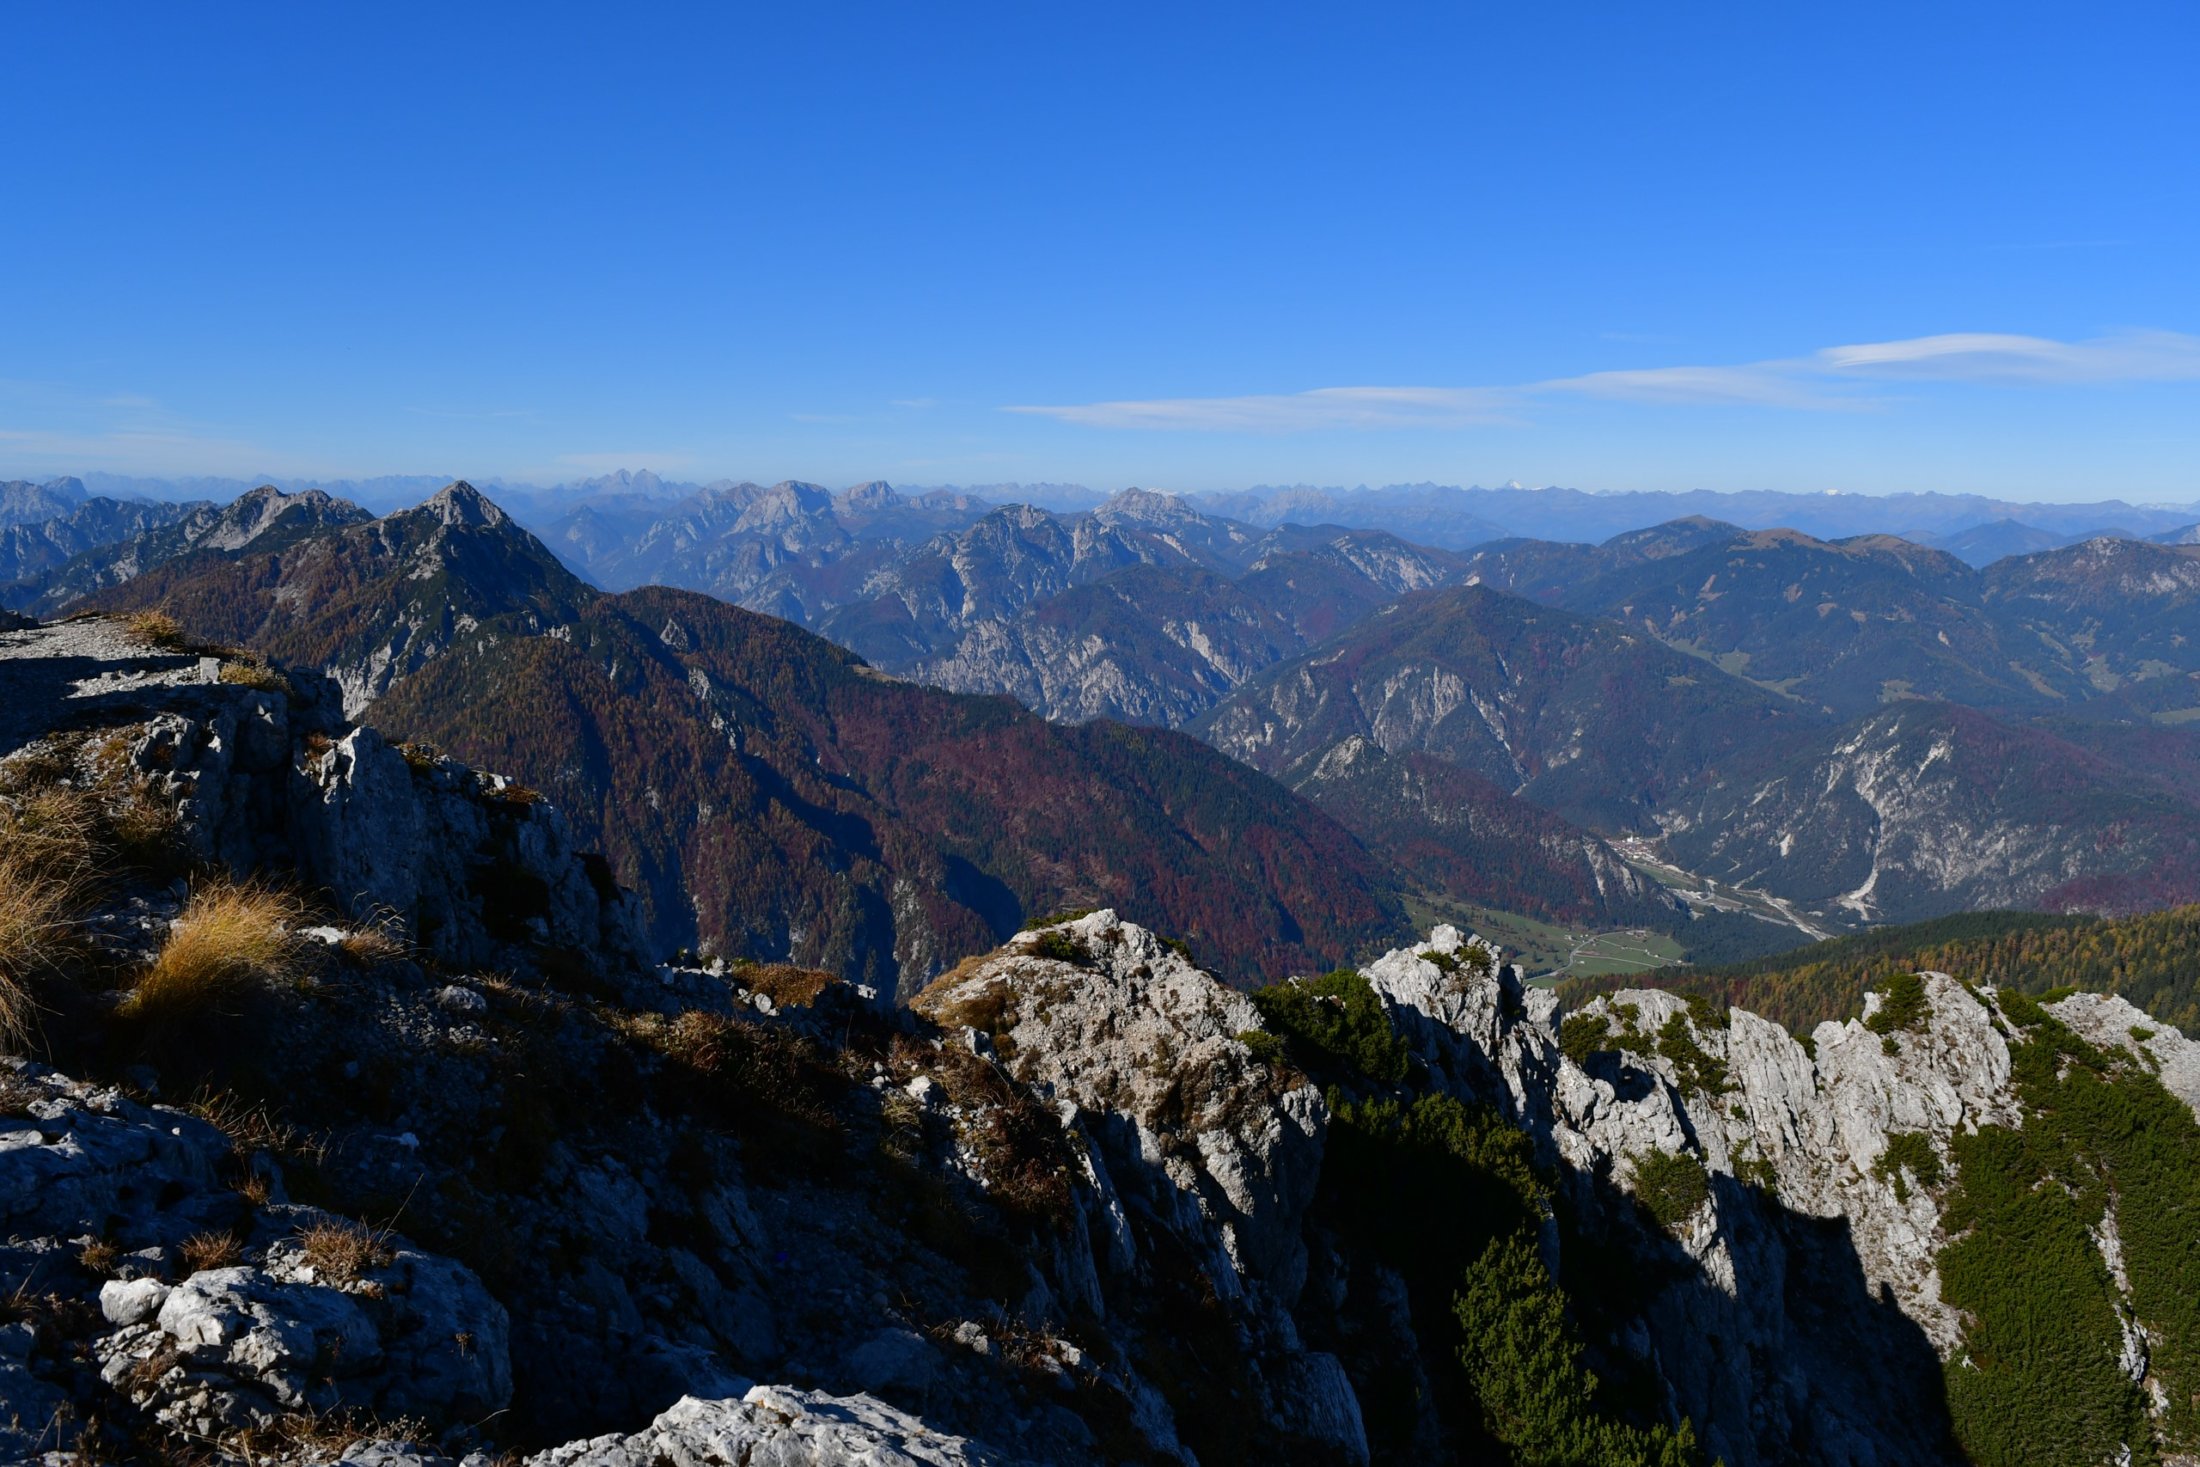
56	427
2128	356
1837	378
1324	407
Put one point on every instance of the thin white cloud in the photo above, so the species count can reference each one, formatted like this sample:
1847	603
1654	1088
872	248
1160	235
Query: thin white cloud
56	427
1324	407
2128	356
1836	378
1761	384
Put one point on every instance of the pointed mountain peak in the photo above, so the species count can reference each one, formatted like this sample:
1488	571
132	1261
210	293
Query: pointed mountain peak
462	506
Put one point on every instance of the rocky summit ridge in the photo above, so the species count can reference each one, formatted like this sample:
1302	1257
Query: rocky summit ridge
439	1163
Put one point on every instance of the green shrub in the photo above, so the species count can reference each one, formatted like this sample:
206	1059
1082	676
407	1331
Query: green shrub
1758	1172
1266	1047
2021	1008
1903	1005
1671	1185
1693	1066
1705	1013
1581	1035
1910	1155
1335	1026
1060	947
2037	1376
1524	1361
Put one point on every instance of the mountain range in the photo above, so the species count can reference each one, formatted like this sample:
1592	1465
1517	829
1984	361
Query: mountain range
1688	715
765	791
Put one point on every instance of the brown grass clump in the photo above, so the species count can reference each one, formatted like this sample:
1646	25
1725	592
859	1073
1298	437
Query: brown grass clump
254	672
1019	1146
421	756
17	1094
381	939
317	1436
232	937
35	905
511	792
54	829
952	1001
343	1250
72	805
253	1127
202	1251
741	1067
100	1256
146	832
158	629
784	983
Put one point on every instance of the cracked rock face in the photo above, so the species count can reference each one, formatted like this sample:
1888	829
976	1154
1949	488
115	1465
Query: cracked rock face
1815	1313
1143	1047
773	1426
228	1345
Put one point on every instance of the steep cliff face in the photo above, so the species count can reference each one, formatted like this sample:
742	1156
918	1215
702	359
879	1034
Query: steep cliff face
1924	808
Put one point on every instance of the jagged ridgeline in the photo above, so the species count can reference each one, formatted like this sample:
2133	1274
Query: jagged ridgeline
345	1107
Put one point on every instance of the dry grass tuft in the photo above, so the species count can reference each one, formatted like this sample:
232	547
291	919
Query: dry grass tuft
251	1127
53	830
100	1256
421	756
743	1067
511	792
319	1436
953	1001
343	1250
233	937
202	1251
35	905
73	804
381	939
784	983
18	1095
255	672
158	629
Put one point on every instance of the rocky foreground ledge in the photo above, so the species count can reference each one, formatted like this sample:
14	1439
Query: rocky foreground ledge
442	1170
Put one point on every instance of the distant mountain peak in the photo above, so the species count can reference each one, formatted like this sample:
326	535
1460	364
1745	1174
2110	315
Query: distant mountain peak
1146	504
461	506
877	494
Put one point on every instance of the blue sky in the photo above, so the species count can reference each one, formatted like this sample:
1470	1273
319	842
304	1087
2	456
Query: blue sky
1619	247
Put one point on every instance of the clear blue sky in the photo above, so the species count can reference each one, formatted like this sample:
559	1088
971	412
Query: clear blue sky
1614	246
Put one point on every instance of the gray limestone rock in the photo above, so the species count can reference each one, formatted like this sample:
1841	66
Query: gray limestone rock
773	1426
